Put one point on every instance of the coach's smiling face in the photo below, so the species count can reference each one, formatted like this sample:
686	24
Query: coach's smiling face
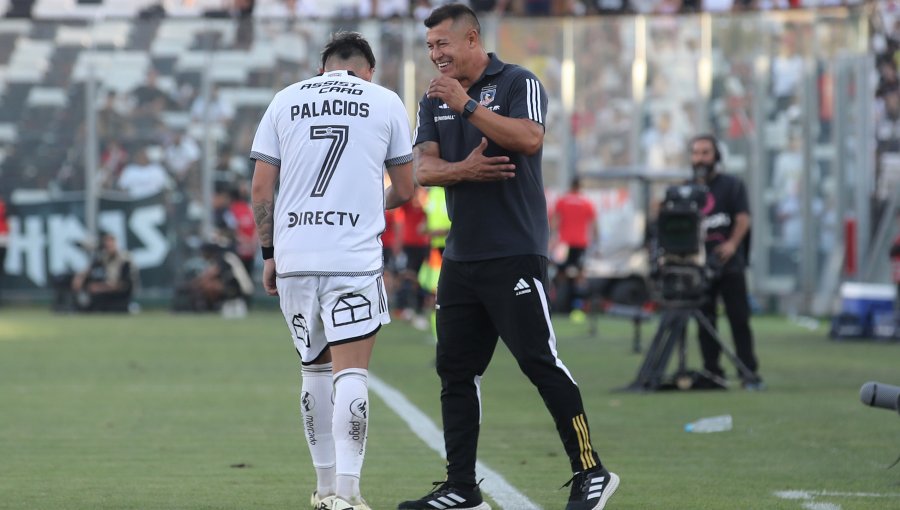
454	47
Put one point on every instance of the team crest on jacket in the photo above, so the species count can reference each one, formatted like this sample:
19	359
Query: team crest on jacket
488	94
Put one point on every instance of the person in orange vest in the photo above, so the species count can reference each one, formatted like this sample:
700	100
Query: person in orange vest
437	224
392	249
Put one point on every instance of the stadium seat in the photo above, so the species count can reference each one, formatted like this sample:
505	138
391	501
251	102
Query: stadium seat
72	9
42	97
29	60
247	96
8	132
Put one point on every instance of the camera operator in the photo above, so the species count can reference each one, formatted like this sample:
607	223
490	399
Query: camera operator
108	284
223	280
727	225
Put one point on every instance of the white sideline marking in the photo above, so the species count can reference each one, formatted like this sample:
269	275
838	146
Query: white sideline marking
805	322
821	506
812	494
504	494
808	496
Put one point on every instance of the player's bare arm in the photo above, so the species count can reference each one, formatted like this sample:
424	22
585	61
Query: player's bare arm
402	185
515	135
431	170
262	198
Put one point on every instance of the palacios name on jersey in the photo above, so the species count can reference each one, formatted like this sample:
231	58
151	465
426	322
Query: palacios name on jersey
330	107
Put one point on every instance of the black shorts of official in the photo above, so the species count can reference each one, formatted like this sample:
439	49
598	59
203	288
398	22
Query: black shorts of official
477	302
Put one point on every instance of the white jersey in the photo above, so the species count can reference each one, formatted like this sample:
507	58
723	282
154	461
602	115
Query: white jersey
331	136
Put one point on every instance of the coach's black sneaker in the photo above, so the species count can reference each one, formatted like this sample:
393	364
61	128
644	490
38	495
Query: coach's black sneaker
591	489
447	496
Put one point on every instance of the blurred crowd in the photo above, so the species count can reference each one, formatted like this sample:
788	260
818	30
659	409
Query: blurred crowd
886	46
144	156
419	9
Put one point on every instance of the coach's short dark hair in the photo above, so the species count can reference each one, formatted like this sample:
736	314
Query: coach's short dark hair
346	45
455	12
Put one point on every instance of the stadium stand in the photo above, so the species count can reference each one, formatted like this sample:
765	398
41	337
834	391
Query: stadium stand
47	59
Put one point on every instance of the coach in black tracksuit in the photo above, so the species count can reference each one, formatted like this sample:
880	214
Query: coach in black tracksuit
479	133
727	223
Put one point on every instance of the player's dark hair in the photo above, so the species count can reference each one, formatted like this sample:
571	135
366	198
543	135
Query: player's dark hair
347	45
455	12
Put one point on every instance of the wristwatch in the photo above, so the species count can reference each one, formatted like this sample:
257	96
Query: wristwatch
469	109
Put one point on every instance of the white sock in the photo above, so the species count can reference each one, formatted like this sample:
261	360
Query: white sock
351	417
325	481
318	412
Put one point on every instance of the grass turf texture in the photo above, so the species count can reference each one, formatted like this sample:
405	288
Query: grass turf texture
160	411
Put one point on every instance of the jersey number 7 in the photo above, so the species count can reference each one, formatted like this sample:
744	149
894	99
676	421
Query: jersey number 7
338	136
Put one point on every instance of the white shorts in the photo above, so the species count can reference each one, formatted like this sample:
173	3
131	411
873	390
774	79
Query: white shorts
323	310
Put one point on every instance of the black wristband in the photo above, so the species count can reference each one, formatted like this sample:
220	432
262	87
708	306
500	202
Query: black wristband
268	252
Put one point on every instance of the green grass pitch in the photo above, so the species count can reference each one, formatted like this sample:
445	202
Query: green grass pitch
160	411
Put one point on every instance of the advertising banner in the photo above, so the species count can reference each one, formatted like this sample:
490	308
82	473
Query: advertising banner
47	238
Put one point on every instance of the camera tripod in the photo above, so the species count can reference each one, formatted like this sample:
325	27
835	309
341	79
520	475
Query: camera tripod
669	337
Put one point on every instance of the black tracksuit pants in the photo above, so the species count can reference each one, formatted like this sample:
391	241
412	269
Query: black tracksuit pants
476	303
732	287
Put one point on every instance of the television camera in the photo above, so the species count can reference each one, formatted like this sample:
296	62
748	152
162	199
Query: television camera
681	269
682	274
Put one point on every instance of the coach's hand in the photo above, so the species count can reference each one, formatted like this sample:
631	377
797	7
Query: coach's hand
449	91
269	277
478	167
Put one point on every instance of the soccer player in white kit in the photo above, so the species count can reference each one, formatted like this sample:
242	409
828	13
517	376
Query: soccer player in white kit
325	143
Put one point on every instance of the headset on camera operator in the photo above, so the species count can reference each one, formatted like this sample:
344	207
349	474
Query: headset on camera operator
726	223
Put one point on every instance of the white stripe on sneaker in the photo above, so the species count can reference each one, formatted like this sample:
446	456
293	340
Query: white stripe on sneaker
437	505
456	497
